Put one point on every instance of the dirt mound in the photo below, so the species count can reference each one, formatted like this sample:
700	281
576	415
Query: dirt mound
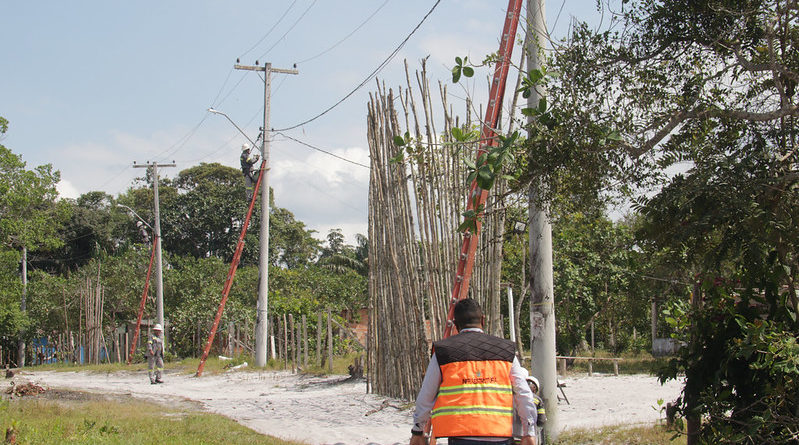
25	389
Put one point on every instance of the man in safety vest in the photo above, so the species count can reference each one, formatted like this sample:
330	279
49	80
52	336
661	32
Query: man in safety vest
471	386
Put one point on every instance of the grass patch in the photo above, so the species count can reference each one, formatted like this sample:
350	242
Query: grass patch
613	435
129	421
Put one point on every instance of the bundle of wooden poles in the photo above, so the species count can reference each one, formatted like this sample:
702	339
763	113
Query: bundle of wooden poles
417	195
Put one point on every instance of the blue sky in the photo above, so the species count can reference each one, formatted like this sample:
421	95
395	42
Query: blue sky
92	86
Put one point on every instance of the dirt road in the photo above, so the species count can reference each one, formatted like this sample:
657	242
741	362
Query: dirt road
331	410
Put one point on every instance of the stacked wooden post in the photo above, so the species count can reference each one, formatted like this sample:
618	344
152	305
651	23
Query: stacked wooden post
412	261
93	296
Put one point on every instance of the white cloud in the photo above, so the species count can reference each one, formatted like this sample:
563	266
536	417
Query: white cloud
321	190
66	189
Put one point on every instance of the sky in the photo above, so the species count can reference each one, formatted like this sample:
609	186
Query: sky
92	86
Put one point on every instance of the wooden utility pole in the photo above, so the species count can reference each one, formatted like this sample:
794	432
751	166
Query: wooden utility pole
261	331
159	272
542	302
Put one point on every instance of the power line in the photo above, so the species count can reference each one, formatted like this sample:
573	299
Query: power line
290	28
271	29
225	144
323	151
347	36
177	146
223	86
241	79
370	76
118	174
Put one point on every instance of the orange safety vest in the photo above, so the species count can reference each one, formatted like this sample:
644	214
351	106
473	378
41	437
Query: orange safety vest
476	395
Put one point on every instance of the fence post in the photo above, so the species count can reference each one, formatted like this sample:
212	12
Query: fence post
329	343
616	367
304	342
319	339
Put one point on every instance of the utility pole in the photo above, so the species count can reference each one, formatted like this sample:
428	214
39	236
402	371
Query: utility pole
159	275
542	302
261	321
23	306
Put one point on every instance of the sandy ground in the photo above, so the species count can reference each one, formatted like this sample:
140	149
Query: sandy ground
331	410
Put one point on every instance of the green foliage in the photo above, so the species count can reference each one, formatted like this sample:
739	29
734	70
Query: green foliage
30	217
489	167
11	318
712	85
29	213
597	277
461	67
204	214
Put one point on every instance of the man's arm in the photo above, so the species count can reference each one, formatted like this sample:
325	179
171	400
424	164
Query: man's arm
425	400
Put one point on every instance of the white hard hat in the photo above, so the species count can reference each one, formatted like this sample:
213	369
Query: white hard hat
531	378
245	146
158	327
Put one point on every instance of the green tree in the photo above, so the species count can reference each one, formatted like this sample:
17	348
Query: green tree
338	256
205	216
709	85
30	219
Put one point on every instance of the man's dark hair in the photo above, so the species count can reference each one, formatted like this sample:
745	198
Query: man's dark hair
467	312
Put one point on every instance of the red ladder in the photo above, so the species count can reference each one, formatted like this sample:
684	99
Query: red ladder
143	301
477	196
232	271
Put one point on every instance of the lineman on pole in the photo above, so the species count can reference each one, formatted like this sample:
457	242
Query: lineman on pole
143	232
248	160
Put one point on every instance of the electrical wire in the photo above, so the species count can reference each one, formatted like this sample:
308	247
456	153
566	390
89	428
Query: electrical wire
348	35
118	174
226	143
270	29
323	151
177	146
223	86
289	30
371	75
241	79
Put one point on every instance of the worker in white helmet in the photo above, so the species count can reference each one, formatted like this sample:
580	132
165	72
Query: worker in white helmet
155	355
541	415
248	159
143	232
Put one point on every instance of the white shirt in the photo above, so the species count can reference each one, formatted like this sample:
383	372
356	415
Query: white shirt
522	397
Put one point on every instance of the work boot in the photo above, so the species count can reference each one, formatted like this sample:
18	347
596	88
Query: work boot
153	382
158	381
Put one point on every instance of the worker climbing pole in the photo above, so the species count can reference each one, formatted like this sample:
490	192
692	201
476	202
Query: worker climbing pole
477	196
143	301
231	272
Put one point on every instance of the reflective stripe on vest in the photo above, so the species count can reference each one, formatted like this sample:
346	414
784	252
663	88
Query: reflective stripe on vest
475	399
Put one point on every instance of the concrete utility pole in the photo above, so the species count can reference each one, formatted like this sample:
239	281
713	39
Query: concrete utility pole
159	275
23	306
542	302
261	321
